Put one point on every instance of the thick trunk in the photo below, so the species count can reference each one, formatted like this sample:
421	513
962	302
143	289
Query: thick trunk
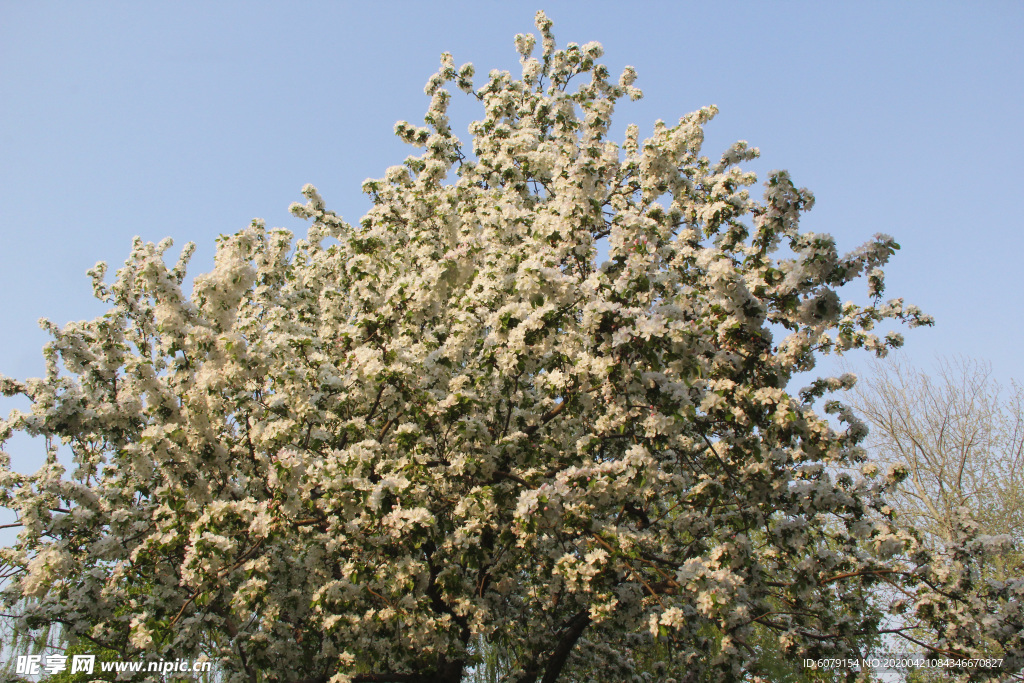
561	653
555	660
449	672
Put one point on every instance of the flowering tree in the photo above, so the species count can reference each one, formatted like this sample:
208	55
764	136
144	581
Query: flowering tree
358	456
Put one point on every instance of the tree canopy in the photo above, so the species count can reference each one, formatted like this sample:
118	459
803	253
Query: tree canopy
366	454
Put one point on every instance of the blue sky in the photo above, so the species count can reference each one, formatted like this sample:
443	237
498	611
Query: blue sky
189	119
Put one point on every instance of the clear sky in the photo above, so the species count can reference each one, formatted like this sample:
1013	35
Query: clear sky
188	119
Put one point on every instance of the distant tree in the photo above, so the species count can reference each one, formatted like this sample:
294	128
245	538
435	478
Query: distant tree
18	641
357	456
961	436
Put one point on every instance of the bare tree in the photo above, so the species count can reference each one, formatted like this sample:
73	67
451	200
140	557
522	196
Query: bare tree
961	436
